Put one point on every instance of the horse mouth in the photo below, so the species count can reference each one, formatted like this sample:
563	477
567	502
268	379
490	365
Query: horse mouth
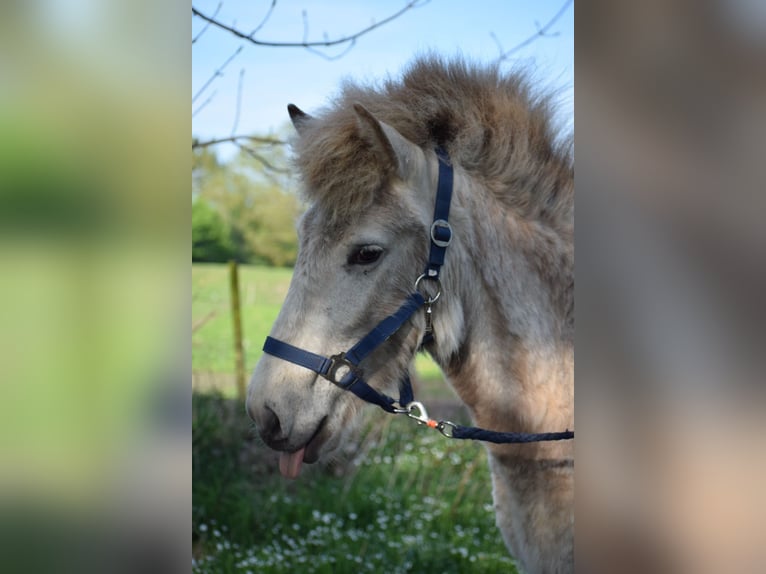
290	462
315	443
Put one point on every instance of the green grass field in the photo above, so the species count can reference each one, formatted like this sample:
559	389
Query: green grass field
262	290
399	498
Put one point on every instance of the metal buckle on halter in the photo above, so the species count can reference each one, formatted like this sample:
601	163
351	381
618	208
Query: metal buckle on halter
341	367
439	237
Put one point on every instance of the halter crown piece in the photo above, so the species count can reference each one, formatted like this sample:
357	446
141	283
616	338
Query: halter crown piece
343	368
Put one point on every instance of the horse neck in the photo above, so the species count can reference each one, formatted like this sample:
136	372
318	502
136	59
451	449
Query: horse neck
507	319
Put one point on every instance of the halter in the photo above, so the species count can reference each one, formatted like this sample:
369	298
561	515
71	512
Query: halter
343	368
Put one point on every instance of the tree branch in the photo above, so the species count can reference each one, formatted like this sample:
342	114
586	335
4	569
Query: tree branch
321	54
235	139
207	24
312	46
239	102
265	18
541	33
258	157
205	103
306	43
218	73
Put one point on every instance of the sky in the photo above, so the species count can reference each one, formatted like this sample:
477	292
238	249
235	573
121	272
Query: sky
272	77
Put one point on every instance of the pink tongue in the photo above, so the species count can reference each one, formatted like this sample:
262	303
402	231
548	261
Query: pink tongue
290	463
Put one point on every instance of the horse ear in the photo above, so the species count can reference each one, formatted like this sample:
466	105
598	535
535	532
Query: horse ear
299	118
396	150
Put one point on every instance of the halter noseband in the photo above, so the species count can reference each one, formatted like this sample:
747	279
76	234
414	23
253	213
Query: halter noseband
343	368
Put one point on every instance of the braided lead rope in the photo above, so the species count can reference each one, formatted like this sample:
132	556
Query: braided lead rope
417	411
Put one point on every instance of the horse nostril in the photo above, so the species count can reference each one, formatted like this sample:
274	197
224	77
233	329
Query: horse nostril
270	428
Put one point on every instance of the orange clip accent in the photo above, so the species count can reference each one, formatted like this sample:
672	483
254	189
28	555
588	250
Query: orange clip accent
432	423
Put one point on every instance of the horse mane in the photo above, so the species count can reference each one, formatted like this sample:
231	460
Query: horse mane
493	124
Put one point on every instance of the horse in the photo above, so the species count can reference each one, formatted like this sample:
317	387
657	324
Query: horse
502	329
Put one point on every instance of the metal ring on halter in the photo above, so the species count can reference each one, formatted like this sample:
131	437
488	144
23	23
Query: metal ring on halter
439	287
442	240
342	372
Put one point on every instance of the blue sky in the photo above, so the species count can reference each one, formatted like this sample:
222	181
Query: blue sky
274	77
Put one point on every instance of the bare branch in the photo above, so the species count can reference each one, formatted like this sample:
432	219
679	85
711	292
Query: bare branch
235	139
203	104
207	24
217	74
497	41
321	54
305	17
258	157
265	18
306	43
352	43
239	102
348	42
541	33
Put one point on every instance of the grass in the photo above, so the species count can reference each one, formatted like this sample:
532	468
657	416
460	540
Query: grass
402	499
262	290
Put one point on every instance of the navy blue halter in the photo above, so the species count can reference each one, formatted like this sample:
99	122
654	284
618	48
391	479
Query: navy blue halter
343	368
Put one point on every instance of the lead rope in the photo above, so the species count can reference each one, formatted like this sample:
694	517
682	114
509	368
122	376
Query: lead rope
415	410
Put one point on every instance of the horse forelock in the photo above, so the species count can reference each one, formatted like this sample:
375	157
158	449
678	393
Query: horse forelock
493	124
338	167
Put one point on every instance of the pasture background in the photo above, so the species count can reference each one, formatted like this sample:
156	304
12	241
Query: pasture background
400	498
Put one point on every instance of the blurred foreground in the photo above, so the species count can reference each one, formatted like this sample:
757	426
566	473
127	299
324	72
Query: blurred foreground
671	245
94	216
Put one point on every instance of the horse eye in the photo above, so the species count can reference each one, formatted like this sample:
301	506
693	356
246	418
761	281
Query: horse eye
365	255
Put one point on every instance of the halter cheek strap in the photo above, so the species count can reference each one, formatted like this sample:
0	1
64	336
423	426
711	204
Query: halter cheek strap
441	232
441	236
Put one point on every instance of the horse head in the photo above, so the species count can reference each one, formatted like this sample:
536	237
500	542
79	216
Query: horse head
363	242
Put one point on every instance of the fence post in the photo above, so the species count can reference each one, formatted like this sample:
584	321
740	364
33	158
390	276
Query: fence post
237	320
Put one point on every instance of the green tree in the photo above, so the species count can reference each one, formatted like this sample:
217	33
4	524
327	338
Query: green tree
254	202
268	228
211	238
205	165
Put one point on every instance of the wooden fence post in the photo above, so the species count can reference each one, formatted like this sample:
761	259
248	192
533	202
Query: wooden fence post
237	320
